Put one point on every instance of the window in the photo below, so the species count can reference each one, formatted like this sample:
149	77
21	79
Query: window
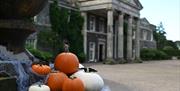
134	34
152	36
141	34
91	51
35	19
145	35
101	25
92	23
148	35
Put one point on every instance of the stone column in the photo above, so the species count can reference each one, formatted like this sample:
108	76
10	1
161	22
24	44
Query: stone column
110	35
84	31
121	37
129	39
137	41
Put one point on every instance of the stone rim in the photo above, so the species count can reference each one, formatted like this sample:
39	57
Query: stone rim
19	9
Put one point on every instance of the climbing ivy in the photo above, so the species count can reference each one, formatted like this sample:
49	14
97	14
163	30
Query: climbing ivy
66	24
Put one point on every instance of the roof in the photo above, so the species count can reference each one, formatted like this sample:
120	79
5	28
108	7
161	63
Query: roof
135	3
144	20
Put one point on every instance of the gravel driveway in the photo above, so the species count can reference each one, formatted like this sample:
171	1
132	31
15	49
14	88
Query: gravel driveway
147	76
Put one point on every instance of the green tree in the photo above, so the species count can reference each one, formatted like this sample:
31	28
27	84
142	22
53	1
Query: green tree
74	34
46	40
59	24
172	44
160	36
168	46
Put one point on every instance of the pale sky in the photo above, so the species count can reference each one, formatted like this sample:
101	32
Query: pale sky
167	11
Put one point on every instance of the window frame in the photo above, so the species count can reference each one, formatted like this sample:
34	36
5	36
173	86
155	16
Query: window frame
92	23
92	51
102	25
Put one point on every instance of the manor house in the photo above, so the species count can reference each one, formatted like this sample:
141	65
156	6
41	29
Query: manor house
113	29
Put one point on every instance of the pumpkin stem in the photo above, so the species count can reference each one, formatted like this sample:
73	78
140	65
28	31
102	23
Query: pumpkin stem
54	71
66	46
40	83
73	77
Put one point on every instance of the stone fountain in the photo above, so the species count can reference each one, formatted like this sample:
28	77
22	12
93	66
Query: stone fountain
15	26
15	22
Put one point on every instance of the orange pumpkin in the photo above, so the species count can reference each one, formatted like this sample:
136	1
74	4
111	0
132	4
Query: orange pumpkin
74	84
55	81
67	62
41	69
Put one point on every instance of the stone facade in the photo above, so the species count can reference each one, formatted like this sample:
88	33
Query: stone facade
112	28
146	32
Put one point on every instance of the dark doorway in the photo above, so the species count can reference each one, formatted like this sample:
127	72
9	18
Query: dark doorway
100	52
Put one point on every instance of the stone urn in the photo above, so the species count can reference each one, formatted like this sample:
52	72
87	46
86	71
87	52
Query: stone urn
16	22
18	9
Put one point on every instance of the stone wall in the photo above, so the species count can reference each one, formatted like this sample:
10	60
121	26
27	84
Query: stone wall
96	38
147	44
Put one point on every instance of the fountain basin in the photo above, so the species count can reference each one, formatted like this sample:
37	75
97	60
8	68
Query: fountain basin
13	34
18	9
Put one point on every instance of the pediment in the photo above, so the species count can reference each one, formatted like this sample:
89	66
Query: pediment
135	3
145	20
132	2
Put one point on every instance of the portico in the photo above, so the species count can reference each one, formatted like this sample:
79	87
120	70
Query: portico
120	32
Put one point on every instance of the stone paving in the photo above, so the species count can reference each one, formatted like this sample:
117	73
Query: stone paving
147	76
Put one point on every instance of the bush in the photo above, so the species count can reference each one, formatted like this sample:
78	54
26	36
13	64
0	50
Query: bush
147	54
45	56
170	51
153	54
81	57
160	55
178	57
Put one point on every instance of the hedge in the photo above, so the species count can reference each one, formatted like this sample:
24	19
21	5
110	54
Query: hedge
44	56
170	51
153	54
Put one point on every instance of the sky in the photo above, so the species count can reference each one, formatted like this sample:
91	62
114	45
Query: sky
165	11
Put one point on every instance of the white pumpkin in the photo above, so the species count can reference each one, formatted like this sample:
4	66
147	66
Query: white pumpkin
91	81
38	87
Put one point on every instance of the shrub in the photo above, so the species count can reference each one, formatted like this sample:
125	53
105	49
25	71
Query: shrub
147	54
160	55
110	62
45	56
178	57
170	51
153	54
81	57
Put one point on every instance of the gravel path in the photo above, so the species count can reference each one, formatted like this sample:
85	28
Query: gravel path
147	76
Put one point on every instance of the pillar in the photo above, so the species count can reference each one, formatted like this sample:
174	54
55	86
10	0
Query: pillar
121	37
84	32
129	39
110	35
137	41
